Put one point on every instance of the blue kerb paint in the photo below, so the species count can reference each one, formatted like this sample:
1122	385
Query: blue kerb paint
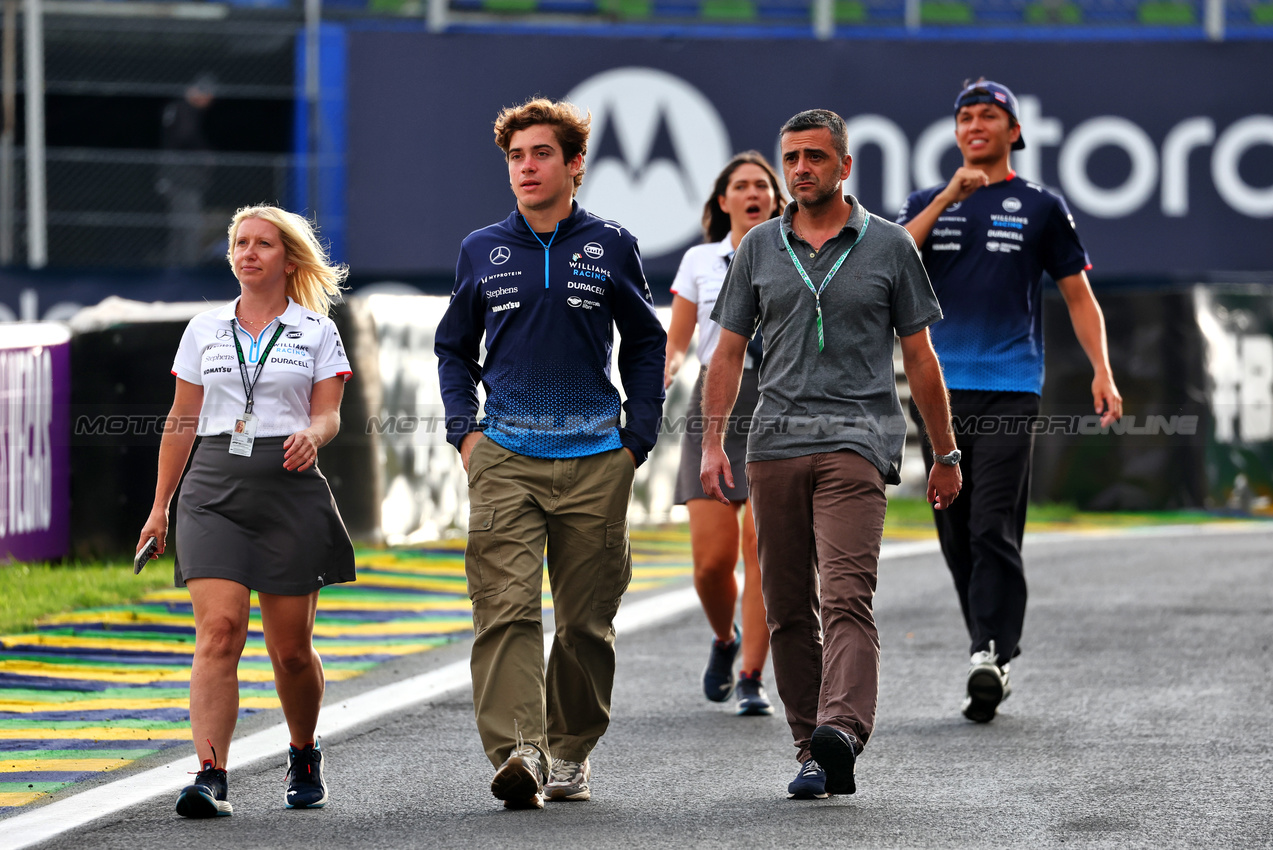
551	239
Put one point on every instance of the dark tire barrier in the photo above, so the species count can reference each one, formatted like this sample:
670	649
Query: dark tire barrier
121	391
1195	367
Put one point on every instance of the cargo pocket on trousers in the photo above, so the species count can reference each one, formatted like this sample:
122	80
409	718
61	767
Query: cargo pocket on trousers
616	567
483	563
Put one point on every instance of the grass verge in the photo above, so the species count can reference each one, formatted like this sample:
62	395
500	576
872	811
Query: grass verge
913	518
31	591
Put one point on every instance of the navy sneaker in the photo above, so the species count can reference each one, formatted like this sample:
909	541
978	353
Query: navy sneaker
718	677
305	786
206	798
837	752
810	783
752	699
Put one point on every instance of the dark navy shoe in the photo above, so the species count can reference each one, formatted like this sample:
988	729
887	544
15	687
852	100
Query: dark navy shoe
206	798
837	752
305	786
751	696
810	783
718	678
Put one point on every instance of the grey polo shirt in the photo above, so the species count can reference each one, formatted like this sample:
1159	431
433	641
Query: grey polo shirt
845	396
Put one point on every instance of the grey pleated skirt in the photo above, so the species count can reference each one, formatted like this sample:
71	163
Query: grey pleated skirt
688	484
247	519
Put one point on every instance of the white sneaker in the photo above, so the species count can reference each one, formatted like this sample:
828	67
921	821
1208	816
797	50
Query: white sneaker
568	781
988	686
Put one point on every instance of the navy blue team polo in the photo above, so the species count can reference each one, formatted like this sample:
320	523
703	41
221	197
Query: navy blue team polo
547	305
986	256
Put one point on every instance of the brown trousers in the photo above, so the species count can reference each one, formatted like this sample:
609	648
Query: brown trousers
819	522
578	508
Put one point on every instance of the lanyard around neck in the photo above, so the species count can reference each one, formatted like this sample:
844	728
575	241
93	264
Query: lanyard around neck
817	291
250	388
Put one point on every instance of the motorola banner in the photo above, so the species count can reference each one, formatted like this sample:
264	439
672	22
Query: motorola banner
1164	151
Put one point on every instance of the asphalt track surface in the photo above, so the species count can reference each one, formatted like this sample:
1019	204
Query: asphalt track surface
1140	718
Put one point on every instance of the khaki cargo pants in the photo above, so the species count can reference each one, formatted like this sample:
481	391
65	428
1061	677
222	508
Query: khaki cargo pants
577	508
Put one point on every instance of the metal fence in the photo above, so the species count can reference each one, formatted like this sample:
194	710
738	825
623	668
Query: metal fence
1123	19
143	209
149	205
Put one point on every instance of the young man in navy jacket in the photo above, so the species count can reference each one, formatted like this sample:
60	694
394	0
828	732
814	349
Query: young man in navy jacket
550	463
986	238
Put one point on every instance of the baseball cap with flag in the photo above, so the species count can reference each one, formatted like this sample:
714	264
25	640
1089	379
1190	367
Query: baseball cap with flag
984	91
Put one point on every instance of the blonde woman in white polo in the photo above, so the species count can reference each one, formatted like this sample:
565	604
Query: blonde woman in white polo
260	381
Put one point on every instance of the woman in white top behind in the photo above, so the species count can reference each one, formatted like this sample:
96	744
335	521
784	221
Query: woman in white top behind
746	193
259	380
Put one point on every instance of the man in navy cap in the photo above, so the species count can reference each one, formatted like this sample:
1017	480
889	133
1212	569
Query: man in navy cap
986	238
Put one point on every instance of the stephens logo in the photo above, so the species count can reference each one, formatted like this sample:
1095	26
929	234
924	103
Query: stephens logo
500	255
593	250
1011	205
501	292
657	145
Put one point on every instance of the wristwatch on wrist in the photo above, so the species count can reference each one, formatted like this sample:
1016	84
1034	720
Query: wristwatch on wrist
951	459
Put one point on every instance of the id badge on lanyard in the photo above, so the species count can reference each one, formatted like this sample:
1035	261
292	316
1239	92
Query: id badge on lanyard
244	433
243	436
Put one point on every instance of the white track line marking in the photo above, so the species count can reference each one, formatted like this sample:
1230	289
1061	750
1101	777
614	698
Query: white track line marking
48	821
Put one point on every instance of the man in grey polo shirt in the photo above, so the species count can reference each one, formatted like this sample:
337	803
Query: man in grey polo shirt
828	285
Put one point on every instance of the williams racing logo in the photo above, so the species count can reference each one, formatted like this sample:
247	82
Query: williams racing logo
578	268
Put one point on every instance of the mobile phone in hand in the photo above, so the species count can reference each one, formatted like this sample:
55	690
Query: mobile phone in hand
147	552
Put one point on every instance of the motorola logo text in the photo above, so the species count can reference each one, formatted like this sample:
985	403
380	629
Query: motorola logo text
1157	166
657	146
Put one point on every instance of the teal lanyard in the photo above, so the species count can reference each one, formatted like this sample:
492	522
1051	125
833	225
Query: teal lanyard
817	291
250	388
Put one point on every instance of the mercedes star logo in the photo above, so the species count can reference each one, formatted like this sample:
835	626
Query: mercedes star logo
499	256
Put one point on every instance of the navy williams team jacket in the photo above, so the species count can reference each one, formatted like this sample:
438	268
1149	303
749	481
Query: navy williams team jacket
548	305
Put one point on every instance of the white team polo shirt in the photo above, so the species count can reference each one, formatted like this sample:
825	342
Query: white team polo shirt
308	351
699	280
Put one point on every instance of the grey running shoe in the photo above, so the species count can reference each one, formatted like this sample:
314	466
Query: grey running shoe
988	686
519	782
568	781
751	696
206	798
836	751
